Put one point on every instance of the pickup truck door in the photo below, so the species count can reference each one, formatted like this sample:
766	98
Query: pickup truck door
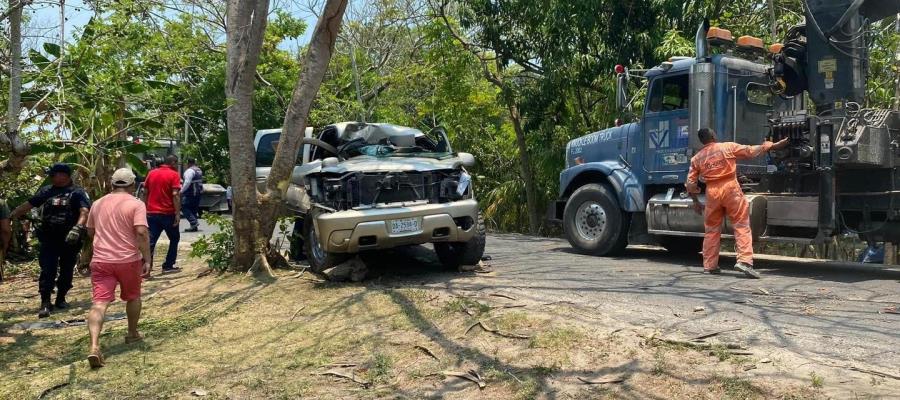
666	129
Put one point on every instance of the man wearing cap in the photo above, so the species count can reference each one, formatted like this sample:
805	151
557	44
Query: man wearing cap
162	195
117	225
64	210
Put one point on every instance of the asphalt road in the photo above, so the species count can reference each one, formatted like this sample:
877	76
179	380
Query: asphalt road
805	315
809	316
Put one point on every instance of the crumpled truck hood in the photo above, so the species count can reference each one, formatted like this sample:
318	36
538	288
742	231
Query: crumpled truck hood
393	164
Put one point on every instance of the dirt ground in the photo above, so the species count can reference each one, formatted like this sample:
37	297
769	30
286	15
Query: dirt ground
392	336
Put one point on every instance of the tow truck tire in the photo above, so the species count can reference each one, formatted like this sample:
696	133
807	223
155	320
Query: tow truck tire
454	254
594	223
681	245
319	259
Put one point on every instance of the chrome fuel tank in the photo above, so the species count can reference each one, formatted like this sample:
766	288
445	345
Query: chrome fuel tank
672	215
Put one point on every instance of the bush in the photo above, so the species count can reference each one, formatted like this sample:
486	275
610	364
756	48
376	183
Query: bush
217	248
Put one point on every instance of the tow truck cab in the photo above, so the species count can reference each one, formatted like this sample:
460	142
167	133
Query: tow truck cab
643	164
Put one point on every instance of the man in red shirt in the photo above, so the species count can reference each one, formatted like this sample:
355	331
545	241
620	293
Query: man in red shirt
117	225
162	194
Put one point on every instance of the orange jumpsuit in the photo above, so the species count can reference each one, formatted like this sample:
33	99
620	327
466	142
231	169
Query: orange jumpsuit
716	163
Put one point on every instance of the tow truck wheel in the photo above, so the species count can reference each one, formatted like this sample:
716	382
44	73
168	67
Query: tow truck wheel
319	259
594	223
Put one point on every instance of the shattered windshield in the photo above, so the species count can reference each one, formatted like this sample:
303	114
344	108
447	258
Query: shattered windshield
379	150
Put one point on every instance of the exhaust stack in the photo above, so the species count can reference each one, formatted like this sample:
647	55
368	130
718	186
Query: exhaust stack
700	43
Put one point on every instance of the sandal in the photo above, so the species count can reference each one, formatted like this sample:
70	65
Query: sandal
133	339
95	359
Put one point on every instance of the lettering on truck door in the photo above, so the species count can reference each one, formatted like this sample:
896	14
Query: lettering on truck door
666	132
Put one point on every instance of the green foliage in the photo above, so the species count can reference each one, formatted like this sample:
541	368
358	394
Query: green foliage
216	248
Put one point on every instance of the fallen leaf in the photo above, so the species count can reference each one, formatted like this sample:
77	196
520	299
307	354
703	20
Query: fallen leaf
427	351
600	381
470	375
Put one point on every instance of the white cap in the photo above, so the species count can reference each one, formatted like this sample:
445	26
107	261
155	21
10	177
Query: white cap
123	177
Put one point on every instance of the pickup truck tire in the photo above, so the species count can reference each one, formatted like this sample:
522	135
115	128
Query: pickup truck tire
454	254
682	245
594	223
319	259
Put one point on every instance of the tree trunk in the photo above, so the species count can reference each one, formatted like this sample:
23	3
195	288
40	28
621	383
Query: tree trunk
314	66
15	146
246	24
524	164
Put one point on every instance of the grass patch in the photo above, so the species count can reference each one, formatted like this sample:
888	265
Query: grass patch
737	388
661	365
557	339
511	321
817	380
468	306
381	366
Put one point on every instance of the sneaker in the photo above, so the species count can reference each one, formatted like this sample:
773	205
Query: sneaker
172	270
44	312
747	269
61	304
192	229
715	271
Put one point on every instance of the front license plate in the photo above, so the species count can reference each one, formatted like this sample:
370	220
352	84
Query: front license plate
405	225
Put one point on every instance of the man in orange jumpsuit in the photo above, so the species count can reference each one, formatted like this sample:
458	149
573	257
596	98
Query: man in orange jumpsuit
716	163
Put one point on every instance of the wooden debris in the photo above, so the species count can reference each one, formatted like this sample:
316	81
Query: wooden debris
471	375
699	309
498	332
601	381
503	296
205	272
714	333
340	365
889	310
763	290
427	351
749	367
874	372
50	389
199	392
297	312
351	377
740	352
765	361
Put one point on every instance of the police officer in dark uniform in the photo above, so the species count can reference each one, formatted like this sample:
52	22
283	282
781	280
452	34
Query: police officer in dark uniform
64	210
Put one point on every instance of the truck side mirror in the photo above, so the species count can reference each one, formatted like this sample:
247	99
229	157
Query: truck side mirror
466	159
622	92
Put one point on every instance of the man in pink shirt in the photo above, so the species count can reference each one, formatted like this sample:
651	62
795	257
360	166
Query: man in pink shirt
118	227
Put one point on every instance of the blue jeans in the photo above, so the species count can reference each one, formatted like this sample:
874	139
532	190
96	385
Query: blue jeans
190	208
160	223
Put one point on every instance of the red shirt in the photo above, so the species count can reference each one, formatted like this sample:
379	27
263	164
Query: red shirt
159	185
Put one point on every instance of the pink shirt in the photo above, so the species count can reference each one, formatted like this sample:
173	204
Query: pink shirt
113	218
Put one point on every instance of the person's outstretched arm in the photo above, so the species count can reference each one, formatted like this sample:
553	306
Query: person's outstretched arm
743	151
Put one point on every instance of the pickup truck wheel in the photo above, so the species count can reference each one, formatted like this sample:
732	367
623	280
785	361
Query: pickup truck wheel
594	223
682	245
319	259
454	254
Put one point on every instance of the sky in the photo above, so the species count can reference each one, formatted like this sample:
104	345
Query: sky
45	15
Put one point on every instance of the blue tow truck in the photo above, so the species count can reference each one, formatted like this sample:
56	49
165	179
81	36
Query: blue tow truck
625	184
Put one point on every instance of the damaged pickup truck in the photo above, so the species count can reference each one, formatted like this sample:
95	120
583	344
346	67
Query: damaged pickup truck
371	186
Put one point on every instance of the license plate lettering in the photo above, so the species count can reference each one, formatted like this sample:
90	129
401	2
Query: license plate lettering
405	225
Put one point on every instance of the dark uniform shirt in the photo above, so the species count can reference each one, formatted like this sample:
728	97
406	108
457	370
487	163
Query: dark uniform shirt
78	201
